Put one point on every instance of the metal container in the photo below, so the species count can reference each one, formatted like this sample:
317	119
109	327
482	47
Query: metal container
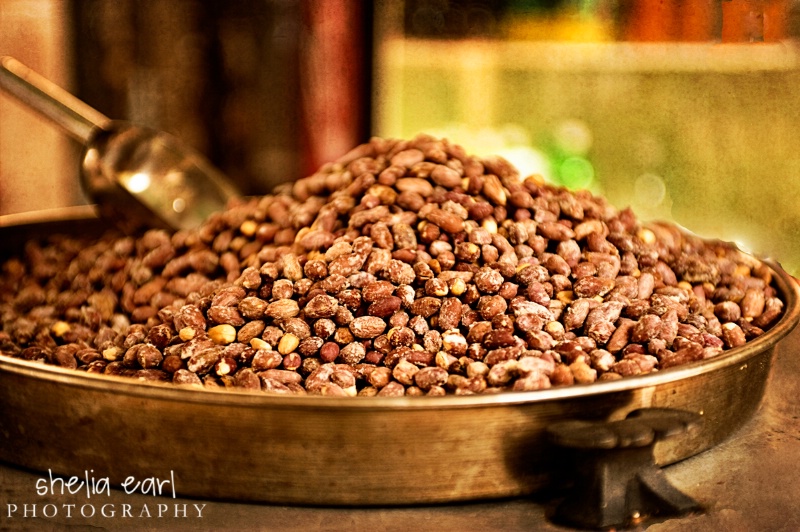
348	451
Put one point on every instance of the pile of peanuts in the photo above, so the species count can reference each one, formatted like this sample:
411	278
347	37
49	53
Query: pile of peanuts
407	267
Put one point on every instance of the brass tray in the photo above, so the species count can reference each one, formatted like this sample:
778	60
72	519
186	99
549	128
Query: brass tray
347	451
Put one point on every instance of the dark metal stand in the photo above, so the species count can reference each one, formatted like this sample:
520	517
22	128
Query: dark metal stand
617	480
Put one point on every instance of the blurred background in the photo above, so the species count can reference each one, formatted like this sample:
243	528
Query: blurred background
685	110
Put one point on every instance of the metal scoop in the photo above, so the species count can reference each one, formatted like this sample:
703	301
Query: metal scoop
139	177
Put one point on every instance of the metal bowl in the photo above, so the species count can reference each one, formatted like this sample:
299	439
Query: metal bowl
352	451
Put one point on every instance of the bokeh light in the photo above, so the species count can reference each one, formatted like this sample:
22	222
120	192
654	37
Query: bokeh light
576	173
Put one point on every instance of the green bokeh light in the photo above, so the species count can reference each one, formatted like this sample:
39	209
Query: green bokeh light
576	173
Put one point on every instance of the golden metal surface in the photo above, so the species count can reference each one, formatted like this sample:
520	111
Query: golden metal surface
353	451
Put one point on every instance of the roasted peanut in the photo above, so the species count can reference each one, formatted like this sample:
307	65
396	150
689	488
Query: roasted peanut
442	272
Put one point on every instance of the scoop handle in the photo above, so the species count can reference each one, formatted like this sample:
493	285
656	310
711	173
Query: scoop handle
51	101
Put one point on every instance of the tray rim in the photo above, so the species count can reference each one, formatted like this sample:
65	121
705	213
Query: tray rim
788	286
